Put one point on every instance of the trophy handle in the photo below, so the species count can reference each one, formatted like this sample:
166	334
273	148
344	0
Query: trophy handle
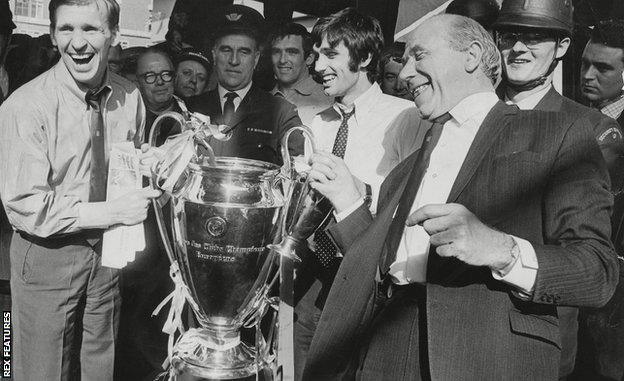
157	177
308	136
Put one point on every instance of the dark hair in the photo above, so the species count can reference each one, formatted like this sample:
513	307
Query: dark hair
294	29
111	7
391	52
609	33
361	35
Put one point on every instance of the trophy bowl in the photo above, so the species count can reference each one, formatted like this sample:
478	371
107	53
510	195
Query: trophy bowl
224	216
227	216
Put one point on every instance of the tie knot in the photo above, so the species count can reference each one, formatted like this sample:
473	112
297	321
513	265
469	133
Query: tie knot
231	96
94	96
443	118
346	114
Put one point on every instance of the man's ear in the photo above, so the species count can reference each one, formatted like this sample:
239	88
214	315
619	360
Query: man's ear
473	56
52	37
310	59
115	36
256	58
366	62
562	47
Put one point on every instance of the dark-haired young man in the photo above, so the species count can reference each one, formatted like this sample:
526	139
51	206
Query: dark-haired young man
601	332
371	130
292	56
55	134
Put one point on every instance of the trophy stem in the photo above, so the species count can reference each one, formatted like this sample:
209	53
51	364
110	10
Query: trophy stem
217	354
286	248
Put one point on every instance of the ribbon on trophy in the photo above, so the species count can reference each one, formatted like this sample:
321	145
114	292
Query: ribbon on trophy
178	297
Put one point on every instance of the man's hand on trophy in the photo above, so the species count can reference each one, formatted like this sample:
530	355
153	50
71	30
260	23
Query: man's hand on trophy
149	156
131	208
331	177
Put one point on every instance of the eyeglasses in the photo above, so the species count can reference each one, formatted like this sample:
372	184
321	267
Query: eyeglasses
530	39
165	76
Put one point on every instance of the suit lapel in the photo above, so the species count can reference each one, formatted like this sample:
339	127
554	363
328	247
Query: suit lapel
214	106
491	127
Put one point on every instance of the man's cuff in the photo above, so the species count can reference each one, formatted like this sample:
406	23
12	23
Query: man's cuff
93	215
524	271
345	213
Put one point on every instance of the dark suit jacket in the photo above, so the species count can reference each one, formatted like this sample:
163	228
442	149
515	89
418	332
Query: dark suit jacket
535	175
259	124
553	101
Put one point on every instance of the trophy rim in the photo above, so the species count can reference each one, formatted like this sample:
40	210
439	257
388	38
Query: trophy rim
241	166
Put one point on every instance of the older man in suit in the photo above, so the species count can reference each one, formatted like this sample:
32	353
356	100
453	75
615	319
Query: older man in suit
508	218
257	118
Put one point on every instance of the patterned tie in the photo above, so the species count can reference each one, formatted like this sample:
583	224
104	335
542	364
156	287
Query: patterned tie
407	198
228	107
325	248
98	168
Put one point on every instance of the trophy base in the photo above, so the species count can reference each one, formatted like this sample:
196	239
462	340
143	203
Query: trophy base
196	357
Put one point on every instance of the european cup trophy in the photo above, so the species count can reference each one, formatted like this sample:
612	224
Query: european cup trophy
231	220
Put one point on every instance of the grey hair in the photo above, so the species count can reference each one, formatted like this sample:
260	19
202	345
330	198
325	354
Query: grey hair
463	31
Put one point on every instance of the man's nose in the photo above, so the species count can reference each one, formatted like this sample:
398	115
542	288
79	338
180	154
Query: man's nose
400	85
519	46
234	59
78	42
588	73
282	58
321	64
407	72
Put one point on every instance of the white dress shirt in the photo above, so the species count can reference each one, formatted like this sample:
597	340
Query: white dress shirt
374	136
531	101
445	162
237	101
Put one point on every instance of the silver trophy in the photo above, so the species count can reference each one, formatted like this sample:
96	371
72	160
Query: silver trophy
227	215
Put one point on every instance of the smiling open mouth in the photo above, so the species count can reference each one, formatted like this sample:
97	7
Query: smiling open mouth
328	79
82	59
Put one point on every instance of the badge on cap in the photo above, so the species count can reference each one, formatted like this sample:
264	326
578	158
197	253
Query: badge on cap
233	16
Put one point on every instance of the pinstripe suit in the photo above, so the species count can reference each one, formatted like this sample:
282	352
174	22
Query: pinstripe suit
568	316
534	175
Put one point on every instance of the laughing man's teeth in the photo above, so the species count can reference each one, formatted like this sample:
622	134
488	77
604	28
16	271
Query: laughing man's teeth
328	77
416	92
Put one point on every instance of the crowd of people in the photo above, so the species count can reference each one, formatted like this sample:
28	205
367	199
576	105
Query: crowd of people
476	226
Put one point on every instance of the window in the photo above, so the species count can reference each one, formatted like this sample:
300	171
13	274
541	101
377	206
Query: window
29	8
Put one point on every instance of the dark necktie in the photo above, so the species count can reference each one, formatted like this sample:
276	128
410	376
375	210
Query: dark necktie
228	108
98	168
325	248
407	198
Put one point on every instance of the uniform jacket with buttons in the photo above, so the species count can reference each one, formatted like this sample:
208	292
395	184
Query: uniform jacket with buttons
532	174
259	123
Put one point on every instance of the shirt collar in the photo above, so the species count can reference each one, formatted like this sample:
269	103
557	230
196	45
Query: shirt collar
472	105
531	101
364	102
64	76
305	87
614	108
240	92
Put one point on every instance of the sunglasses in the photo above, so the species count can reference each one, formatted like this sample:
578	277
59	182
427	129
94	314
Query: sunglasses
529	39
